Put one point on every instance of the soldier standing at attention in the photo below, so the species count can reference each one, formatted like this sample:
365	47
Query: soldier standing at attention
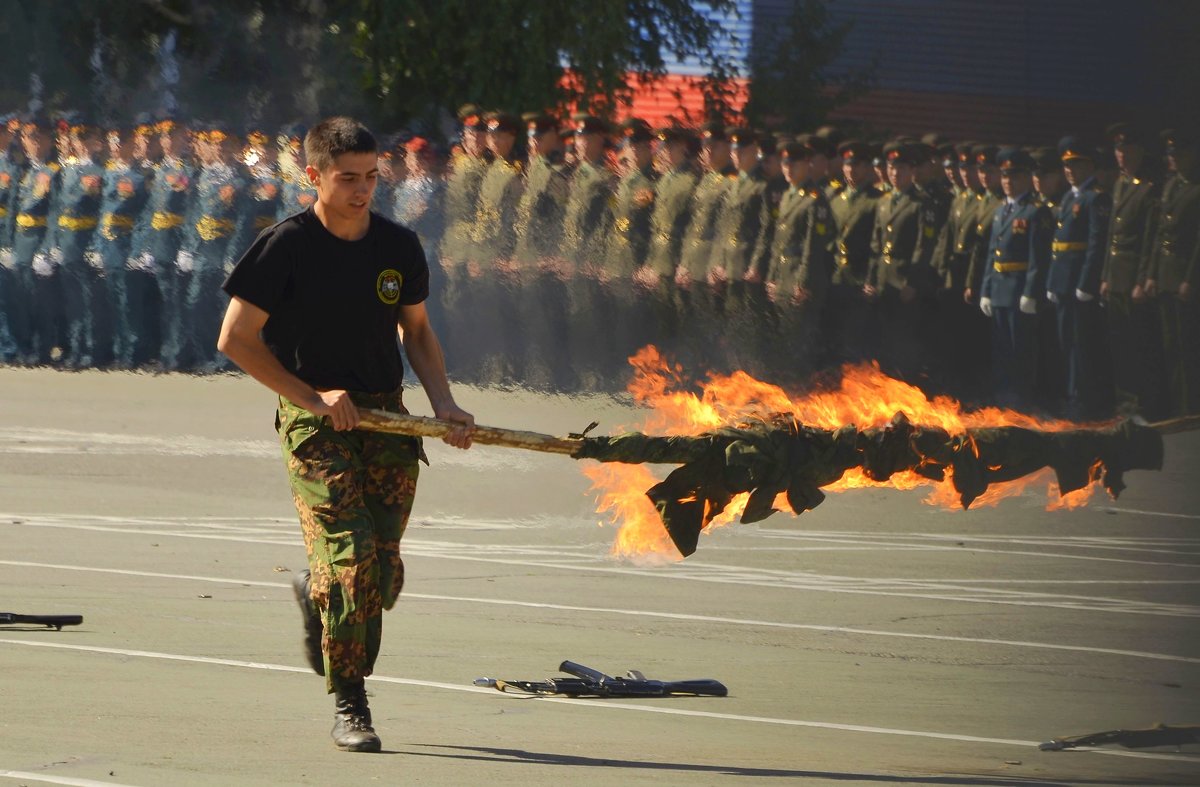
129	285
81	271
853	208
586	227
492	273
263	187
541	268
672	198
1073	281
159	236
207	255
34	300
1174	274
468	164
315	306
1019	251
963	328
799	264
10	177
898	274
629	243
742	222
1132	332
296	193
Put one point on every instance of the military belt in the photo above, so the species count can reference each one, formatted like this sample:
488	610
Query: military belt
29	221
78	223
3	212
114	224
1010	267
1069	246
165	221
262	222
211	228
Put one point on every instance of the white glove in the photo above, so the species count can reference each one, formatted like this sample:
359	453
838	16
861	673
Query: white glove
94	259
185	261
1083	297
1051	297
985	306
140	262
42	265
228	265
56	255
7	259
1028	305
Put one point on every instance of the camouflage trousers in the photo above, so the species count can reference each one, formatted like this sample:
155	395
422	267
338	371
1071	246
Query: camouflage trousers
354	492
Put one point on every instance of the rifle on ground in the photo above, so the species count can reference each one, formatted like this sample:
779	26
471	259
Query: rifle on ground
55	622
590	682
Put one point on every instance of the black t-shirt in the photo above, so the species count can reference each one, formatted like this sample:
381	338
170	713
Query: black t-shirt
334	304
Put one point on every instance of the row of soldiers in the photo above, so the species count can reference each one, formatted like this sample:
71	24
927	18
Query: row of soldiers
114	240
1059	279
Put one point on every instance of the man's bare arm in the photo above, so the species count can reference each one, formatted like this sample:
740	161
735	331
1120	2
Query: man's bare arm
425	356
241	340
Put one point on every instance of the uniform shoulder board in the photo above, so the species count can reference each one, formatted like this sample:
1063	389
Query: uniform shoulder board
54	166
516	165
814	193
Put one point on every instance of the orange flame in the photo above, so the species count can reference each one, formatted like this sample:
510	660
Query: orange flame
865	398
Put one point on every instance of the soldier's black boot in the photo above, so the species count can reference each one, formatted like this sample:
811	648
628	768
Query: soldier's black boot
352	729
302	586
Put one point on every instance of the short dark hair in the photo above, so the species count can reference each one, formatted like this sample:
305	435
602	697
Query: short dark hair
334	136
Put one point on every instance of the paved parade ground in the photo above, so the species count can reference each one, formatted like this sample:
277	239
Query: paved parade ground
875	640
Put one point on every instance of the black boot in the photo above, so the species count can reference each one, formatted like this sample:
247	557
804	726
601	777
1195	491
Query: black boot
302	585
352	729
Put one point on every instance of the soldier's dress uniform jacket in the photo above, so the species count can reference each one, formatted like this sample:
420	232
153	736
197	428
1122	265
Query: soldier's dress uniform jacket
854	214
9	179
697	248
894	243
800	257
744	216
588	218
540	211
1176	261
672	197
1080	241
632	210
493	235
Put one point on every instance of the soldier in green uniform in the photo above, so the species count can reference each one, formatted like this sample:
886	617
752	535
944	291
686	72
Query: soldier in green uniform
799	265
542	270
629	243
468	164
1174	273
853	207
742	231
1132	329
701	291
492	281
899	275
10	177
673	192
964	330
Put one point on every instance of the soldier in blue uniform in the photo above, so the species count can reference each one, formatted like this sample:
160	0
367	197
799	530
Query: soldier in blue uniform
34	298
208	253
296	190
10	177
70	241
263	189
159	233
1018	254
1073	280
129	286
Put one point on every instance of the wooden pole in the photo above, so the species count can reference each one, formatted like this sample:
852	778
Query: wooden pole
420	426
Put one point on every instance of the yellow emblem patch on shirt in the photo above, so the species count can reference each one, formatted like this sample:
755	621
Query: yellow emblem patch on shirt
387	286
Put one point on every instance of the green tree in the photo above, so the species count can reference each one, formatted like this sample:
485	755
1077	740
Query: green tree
790	83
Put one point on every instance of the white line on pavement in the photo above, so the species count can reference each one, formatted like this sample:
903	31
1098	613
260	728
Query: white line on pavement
579	703
51	778
645	613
